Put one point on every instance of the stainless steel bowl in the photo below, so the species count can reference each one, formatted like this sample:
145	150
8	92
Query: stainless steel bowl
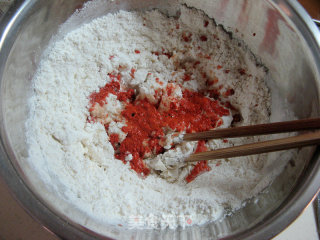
278	31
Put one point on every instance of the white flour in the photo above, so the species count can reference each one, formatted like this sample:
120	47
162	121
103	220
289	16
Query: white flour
75	158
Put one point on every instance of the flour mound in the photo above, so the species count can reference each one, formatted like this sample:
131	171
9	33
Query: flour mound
74	156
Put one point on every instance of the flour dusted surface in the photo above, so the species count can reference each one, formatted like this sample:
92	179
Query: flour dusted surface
74	156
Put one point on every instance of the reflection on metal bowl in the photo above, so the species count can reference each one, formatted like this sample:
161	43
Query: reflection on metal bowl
279	32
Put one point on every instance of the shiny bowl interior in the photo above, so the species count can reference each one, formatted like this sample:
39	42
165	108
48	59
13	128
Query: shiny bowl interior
278	31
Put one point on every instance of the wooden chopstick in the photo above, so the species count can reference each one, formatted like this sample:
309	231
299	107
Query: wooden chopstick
260	129
260	147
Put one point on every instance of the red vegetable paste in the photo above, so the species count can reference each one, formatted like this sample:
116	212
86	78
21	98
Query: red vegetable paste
146	122
201	166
